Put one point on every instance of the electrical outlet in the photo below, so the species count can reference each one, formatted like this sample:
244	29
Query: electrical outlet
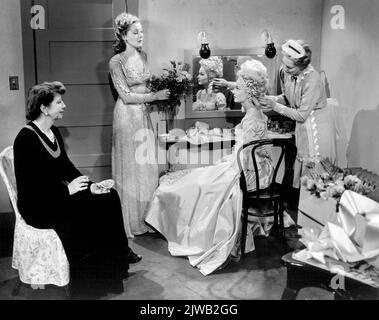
13	83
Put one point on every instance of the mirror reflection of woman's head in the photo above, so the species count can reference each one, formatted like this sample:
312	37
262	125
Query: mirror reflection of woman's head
252	82
297	56
128	31
45	100
212	67
202	77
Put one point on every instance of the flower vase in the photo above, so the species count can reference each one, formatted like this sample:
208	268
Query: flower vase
170	112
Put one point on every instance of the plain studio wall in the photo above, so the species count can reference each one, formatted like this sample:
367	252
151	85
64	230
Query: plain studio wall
172	26
350	58
12	103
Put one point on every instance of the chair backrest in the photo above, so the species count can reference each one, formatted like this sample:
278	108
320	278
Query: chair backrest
9	177
288	152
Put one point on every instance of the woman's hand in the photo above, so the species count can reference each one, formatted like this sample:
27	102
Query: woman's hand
102	186
219	83
78	184
267	103
162	94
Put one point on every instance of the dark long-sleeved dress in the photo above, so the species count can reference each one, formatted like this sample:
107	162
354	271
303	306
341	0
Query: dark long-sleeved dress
90	226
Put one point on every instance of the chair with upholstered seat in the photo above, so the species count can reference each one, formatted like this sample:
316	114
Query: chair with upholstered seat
268	201
38	254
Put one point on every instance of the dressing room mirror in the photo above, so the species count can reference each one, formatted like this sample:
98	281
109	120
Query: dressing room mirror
230	59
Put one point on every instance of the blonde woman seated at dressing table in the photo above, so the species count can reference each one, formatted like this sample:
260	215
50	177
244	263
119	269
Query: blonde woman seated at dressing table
199	211
207	99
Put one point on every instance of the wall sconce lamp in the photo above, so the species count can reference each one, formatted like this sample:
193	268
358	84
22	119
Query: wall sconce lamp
270	50
205	51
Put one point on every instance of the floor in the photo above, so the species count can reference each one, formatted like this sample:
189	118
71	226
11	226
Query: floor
159	276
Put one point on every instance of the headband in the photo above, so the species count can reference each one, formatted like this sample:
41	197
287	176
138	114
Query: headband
293	49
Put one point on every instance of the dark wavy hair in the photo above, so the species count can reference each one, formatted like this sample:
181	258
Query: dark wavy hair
119	46
42	94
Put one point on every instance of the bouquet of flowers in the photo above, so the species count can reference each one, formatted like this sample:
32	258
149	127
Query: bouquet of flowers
331	181
177	79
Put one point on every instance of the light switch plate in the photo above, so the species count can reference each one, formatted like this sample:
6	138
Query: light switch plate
13	83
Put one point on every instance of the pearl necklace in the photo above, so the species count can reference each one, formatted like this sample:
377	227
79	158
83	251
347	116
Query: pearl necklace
50	134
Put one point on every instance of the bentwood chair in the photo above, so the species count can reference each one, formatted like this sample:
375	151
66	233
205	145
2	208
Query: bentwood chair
269	201
38	254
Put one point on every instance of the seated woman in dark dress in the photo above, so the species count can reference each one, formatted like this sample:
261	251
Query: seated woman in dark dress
52	193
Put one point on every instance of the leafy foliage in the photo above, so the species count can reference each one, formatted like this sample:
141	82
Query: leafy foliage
177	79
328	180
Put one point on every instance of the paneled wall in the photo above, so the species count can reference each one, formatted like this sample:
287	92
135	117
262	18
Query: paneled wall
75	49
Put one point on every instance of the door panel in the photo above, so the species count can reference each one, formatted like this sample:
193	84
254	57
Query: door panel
80	112
88	14
88	146
75	49
79	62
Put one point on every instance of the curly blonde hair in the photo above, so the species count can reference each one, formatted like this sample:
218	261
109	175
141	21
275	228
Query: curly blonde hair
253	75
213	67
122	24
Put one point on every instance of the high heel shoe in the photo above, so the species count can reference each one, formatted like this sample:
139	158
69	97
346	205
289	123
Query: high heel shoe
134	257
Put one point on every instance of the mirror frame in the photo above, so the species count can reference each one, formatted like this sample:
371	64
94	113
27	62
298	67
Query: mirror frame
189	56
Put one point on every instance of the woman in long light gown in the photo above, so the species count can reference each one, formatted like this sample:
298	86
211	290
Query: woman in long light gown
135	172
304	100
207	99
199	213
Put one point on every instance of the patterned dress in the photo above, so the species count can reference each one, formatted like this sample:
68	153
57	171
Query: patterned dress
307	105
134	165
199	211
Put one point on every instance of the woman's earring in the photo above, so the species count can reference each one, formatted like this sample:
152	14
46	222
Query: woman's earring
46	114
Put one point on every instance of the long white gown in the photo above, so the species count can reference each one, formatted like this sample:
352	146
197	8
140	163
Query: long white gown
134	165
199	213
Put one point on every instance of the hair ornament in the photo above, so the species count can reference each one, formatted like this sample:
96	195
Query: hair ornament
123	22
293	49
